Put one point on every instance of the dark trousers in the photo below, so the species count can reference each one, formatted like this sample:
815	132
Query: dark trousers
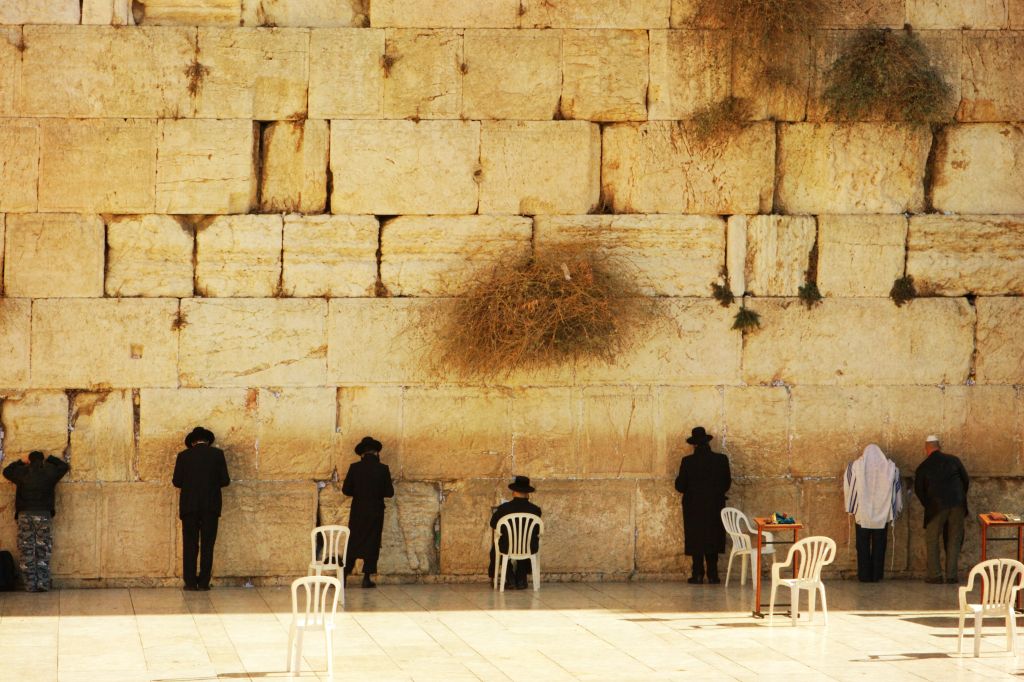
870	554
198	535
948	526
517	571
700	560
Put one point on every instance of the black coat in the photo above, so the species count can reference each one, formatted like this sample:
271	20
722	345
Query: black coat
367	482
703	479
35	483
517	505
941	482
200	472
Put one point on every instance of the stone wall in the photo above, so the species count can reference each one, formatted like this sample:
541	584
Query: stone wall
234	212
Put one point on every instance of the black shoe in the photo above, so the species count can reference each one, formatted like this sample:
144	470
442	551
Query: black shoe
933	581
203	588
714	581
367	582
190	588
952	581
521	585
695	581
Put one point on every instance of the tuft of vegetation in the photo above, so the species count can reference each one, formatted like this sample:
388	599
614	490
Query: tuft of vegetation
180	320
809	295
722	291
721	119
765	23
746	319
195	72
888	74
903	290
387	61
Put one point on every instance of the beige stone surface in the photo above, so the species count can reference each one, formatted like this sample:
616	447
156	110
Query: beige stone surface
659	528
757	424
424	79
659	167
443	255
864	13
617	432
94	343
328	255
957	14
102	436
54	256
991	76
3	237
778	253
294	167
78	530
860	255
605	75
8	531
35	420
969	157
380	341
36	12
370	410
296	433
986	494
19	164
983	425
1015	9
190	12
149	255
775	85
139	530
943	257
10	67
913	412
594	13
206	166
540	167
253	342
544	432
690	70
15	335
761	497
664	255
105	165
1000	345
403	167
351	56
444	14
512	74
304	13
837	342
680	409
581	536
852	168
239	255
280	514
108	12
465	536
832	425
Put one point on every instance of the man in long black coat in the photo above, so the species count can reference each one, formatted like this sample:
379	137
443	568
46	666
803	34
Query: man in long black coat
703	479
941	483
367	482
519	504
200	472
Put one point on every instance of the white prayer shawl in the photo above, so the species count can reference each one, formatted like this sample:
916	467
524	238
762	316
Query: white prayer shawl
872	489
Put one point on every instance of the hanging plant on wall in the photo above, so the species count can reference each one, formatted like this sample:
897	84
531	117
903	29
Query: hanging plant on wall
721	119
765	23
746	319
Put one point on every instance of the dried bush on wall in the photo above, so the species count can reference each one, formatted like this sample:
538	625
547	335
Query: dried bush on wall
766	23
903	290
721	119
746	319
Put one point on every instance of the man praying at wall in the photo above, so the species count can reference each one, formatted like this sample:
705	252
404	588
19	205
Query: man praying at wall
519	504
941	483
200	471
35	479
703	479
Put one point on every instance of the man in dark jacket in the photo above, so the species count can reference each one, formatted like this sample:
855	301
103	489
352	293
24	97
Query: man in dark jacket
519	504
367	482
35	479
941	482
703	479
200	471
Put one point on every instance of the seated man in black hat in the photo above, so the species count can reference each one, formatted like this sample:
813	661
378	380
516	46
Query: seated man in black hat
519	504
200	472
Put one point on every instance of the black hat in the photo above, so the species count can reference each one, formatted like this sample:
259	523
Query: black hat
699	436
199	434
368	444
521	485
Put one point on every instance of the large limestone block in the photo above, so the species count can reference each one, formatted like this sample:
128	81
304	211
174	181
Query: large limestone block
108	12
102	436
375	341
605	75
583	537
544	432
666	255
104	343
8	531
778	250
442	255
594	13
167	415
983	425
253	342
774	84
3	238
296	433
19	164
41	12
328	255
511	74
139	530
860	255
149	255
756	435
35	420
762	496
969	157
1000	344
991	76
294	167
351	56
617	432
304	13
943	254
97	166
78	531
852	168
690	70
864	14
105	71
423	78
370	410
466	537
10	67
957	13
403	167
206	167
239	255
188	12
838	342
1015	8
913	412
659	528
445	14
540	167
54	255
832	425
680	409
15	337
660	167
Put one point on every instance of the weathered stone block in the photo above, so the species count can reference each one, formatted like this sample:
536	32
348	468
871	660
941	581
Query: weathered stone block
664	255
190	12
660	167
424	76
139	530
403	167
860	255
296	433
581	537
239	255
837	342
15	335
1015	9
305	13
913	412
78	531
540	167
116	343
690	70
97	166
149	255
370	410
108	12
466	537
594	13
983	425
778	250
252	342
681	408
511	74
8	531
864	13
443	14
36	12
102	436
832	426
852	168
617	432
350	56
54	255
659	528
19	164
1000	344
605	75
206	167
774	84
991	80
544	432
943	257
442	255
294	167
761	497
757	430
329	255
11	38
956	13
985	495
979	155
35	420
375	341
823	513
3	241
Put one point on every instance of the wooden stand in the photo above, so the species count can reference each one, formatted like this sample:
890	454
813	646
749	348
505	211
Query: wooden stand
985	522
764	524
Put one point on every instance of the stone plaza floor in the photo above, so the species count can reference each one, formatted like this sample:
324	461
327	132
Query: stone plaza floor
895	630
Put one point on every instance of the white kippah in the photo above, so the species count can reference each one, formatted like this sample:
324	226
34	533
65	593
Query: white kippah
932	439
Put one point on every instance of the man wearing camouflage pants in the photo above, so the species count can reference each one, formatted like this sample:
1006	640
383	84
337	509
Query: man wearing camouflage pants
35	479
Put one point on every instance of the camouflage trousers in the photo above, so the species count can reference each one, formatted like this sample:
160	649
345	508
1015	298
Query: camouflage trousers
35	545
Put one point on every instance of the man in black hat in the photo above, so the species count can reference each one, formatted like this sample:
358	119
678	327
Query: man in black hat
200	471
519	504
367	482
35	479
703	479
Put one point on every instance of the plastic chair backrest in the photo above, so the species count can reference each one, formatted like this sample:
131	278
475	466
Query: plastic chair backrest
320	591
518	528
999	577
334	544
731	519
815	553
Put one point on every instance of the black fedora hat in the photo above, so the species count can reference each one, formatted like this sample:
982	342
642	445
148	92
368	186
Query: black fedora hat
521	485
368	444
199	434
698	436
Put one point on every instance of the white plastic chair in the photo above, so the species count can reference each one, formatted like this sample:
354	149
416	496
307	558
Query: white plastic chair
321	604
739	528
518	528
813	554
1001	580
333	541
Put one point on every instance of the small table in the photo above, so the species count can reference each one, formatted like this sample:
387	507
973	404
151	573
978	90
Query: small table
986	521
763	524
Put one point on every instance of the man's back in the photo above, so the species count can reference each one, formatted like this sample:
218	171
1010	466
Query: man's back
35	483
941	482
200	472
517	505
